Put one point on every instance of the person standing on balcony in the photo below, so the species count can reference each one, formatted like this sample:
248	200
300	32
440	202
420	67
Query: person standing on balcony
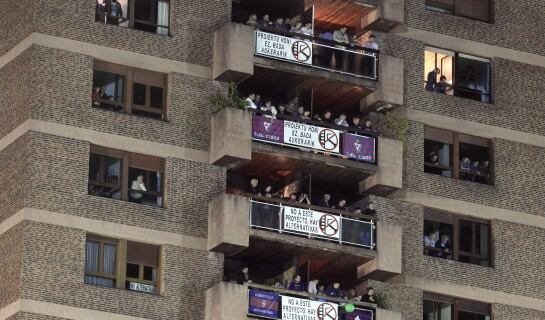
444	246
431	81
257	100
341	36
341	205
136	186
368	125
266	21
370	210
279	24
356	123
297	284
334	290
250	105
307	29
115	12
339	61
324	202
244	276
341	120
369	297
253	188
252	20
371	43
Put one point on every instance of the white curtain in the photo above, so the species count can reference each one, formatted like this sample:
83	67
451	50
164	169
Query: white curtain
162	17
92	263
109	258
91	256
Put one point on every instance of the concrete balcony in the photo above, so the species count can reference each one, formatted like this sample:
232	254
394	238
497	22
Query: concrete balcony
239	48
228	301
237	223
240	139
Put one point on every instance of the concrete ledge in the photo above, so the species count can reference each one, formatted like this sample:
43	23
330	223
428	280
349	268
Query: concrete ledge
389	247
233	52
228	224
226	301
387	315
231	137
390	84
389	14
389	176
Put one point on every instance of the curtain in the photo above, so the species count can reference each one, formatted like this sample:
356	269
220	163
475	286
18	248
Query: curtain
162	17
91	256
109	258
92	263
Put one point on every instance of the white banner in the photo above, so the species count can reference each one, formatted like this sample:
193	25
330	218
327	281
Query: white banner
277	46
312	137
141	287
312	222
303	309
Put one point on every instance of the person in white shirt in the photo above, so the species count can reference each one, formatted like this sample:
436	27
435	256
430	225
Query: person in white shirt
341	120
371	43
307	29
137	184
250	102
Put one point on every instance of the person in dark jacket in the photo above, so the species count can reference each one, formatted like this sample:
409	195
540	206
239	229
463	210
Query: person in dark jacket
324	201
432	79
369	297
244	276
114	12
334	290
297	284
253	187
444	246
370	210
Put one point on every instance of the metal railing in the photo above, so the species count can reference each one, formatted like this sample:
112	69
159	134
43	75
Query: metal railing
270	303
317	52
323	224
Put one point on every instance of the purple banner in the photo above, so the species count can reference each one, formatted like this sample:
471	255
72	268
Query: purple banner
359	314
267	129
357	147
263	304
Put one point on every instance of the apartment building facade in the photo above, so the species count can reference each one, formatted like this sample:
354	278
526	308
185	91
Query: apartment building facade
134	187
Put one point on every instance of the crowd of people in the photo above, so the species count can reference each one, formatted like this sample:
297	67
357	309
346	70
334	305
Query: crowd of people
440	242
475	170
109	11
290	111
324	201
315	287
297	25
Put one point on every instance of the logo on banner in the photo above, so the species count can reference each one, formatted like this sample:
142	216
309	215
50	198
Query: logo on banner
326	311
301	51
357	145
328	139
267	126
329	225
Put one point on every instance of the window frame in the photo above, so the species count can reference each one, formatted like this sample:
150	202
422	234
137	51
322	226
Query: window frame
439	216
452	11
132	20
141	161
459	304
455	58
439	135
120	277
130	77
102	241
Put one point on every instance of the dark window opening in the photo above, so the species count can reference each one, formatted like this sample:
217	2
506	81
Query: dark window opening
440	307
146	15
458	74
457	155
472	9
142	267
126	176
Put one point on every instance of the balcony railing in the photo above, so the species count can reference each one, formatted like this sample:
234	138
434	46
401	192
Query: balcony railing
317	52
275	303
312	135
313	222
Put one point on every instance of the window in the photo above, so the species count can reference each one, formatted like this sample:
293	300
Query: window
146	15
458	238
141	261
459	74
457	155
439	307
129	90
472	9
126	176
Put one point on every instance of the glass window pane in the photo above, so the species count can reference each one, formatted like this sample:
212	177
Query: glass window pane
133	270
437	157
445	311
109	258
94	167
150	273
100	281
464	315
108	86
156	97
91	256
465	235
139	94
472	79
481	237
428	310
143	10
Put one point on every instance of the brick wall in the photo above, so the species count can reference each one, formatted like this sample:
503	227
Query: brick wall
517	262
516	91
518	172
14	95
16	23
515	24
62	85
503	312
407	301
193	23
59	174
54	272
11	257
32	316
13	178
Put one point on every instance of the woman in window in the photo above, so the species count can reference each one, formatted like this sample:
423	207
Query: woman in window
136	185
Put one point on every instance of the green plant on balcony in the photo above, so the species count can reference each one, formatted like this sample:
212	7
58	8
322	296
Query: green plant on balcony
394	125
232	99
382	300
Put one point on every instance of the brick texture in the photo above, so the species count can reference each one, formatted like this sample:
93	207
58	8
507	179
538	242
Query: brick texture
59	174
503	312
516	262
518	172
54	260
13	179
62	83
193	23
516	91
515	24
407	301
16	23
11	258
32	316
15	92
